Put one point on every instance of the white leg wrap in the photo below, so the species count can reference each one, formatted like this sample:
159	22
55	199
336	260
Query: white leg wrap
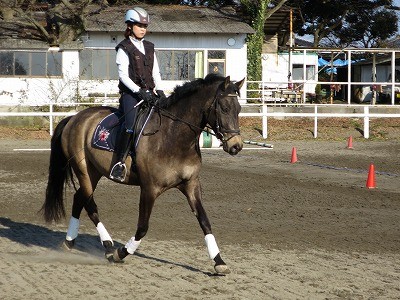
211	245
104	236
73	228
132	245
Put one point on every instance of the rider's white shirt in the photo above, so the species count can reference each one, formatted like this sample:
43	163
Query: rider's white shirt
122	61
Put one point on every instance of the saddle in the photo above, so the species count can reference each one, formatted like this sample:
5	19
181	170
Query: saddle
106	134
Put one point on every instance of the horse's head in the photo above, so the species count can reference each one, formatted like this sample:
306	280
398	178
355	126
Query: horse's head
223	115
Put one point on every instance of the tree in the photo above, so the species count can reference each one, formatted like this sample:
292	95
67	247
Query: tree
345	22
64	20
258	12
381	25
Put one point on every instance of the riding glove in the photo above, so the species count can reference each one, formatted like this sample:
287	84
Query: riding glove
161	94
147	95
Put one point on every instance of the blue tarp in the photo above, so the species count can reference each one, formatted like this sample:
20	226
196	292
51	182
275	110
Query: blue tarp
336	63
322	62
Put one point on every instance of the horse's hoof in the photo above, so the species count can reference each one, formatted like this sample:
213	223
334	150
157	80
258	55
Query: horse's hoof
109	254
221	269
67	245
119	254
109	250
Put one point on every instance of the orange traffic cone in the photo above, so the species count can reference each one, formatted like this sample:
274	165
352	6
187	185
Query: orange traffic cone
371	177
350	143
294	156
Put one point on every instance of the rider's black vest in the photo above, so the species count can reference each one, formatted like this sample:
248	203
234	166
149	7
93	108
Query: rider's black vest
140	65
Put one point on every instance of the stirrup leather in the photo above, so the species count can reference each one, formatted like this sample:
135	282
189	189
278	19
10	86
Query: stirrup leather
118	167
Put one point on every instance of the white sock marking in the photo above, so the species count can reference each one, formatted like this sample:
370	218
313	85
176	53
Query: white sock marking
73	229
132	245
104	236
211	245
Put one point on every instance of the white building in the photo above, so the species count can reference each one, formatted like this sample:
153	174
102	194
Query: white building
190	42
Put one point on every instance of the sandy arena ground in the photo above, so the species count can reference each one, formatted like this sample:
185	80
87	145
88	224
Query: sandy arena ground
308	230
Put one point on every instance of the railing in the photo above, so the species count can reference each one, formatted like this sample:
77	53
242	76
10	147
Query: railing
51	113
263	113
366	115
298	91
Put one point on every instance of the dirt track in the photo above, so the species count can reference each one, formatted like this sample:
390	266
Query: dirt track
309	230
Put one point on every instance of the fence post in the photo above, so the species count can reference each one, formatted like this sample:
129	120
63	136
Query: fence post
51	117
264	121
315	121
366	122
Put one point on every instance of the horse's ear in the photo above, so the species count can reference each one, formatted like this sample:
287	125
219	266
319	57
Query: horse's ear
239	84
227	82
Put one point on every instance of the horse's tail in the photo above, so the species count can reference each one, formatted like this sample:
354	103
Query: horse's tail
59	173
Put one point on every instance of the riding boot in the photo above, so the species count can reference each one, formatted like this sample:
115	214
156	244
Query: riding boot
118	171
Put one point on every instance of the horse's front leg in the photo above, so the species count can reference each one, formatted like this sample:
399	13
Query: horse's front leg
146	204
192	191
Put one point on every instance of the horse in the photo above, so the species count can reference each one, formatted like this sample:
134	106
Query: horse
167	156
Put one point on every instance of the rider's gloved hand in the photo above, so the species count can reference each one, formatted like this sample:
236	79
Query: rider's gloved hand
161	94
147	95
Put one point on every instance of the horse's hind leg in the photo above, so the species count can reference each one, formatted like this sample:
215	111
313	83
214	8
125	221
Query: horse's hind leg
83	198
73	228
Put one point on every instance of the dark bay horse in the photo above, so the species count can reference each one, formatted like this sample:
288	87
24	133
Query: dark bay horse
168	158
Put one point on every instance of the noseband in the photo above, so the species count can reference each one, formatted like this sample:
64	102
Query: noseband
220	131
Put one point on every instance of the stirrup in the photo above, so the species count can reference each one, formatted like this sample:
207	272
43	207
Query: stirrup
116	168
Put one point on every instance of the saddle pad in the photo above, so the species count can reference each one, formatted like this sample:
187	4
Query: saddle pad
105	136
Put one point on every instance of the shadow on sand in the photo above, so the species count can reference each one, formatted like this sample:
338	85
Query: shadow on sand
30	235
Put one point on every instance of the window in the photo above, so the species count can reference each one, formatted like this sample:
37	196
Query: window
53	65
298	72
6	63
34	64
38	66
97	64
216	62
21	63
180	64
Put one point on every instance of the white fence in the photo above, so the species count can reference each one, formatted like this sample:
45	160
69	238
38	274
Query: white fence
366	115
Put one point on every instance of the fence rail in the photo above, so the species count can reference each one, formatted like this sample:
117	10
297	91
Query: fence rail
264	114
366	115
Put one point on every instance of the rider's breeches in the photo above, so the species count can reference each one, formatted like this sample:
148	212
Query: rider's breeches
127	106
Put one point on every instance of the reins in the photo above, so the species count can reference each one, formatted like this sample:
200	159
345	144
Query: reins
219	129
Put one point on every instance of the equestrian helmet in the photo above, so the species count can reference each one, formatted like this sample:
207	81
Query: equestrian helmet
137	15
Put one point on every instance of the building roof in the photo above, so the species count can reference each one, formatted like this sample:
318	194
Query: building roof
29	44
278	21
173	19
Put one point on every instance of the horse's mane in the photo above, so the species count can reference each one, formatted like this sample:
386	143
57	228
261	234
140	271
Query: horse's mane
189	88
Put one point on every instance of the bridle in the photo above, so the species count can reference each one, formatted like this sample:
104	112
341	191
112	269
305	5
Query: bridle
219	130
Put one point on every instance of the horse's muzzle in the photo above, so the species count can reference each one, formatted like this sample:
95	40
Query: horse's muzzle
233	145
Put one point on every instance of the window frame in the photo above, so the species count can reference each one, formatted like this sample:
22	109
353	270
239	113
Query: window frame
216	60
196	54
309	68
95	69
29	65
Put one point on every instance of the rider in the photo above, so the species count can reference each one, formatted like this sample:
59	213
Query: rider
139	75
